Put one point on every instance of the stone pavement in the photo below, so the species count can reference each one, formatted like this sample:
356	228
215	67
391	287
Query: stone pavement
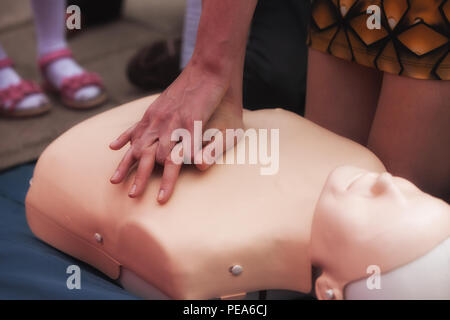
104	49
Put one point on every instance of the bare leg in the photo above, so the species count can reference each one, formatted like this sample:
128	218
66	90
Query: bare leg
341	96
411	132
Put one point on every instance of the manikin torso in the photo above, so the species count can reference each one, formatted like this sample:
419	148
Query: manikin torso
230	215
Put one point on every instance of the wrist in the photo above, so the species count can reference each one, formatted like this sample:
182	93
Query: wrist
217	66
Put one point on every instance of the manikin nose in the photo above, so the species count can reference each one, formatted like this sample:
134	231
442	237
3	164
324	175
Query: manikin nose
363	182
383	183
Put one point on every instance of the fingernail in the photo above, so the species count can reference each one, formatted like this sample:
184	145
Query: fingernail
133	190
115	176
161	195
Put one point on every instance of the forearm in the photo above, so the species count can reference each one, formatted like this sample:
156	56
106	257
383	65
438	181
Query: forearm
222	35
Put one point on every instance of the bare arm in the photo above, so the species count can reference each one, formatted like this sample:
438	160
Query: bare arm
212	80
222	34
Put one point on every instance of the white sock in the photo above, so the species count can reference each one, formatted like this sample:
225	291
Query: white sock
9	77
63	68
49	17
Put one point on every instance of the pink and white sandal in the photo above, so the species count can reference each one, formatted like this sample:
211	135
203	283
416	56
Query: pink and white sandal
12	95
72	84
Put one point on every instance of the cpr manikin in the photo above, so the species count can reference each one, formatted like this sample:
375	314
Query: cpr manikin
230	229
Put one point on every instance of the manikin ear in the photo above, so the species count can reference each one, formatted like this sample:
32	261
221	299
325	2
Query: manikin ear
327	289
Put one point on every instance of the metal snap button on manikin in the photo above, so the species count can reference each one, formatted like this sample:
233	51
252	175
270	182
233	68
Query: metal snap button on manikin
329	294
98	237
236	270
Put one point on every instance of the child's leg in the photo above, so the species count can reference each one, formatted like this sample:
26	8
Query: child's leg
411	132
341	96
9	77
49	16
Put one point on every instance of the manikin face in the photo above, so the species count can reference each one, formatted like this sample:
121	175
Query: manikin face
367	220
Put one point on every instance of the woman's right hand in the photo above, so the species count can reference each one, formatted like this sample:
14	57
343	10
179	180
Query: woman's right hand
193	96
212	78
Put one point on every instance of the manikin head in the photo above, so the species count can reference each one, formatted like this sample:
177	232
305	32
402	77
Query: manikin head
367	222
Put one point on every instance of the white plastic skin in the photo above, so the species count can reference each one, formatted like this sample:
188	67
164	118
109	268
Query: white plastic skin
368	221
425	278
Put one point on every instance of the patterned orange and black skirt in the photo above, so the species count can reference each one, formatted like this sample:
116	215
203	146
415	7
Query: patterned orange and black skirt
411	39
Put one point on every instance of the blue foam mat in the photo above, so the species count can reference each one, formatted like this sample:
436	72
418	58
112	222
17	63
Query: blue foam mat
31	269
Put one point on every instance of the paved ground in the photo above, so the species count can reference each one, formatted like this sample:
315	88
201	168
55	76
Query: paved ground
105	49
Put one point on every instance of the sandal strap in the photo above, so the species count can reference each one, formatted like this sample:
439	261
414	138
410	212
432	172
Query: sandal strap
6	62
48	58
15	93
72	84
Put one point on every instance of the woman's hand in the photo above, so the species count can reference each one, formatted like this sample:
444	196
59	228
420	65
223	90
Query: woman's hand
193	96
212	78
227	116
